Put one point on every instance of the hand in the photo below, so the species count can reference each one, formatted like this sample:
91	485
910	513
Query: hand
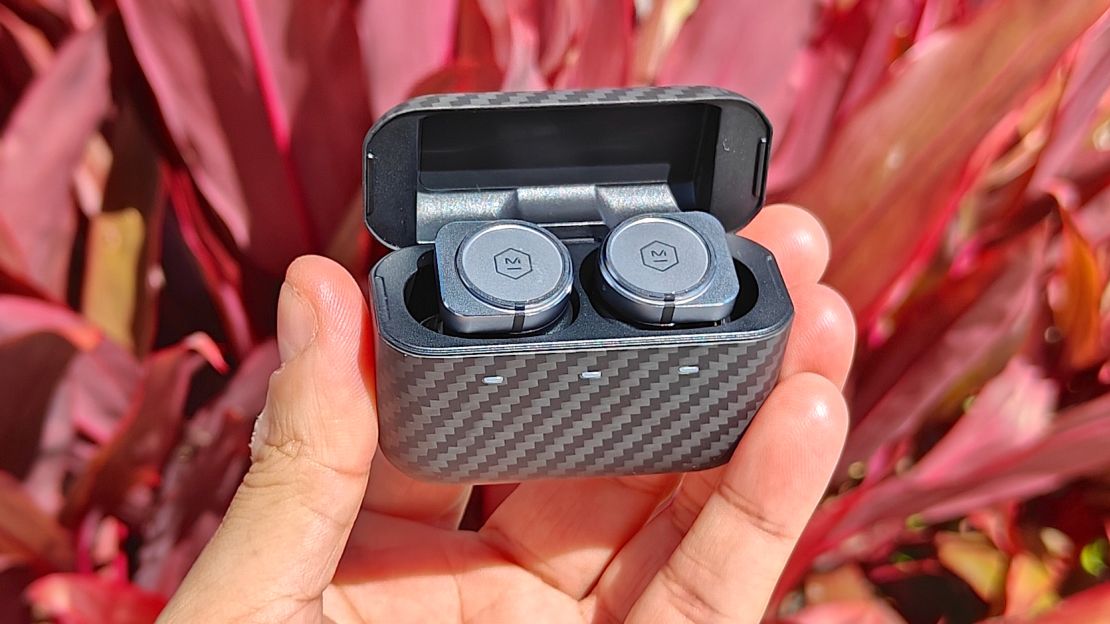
322	528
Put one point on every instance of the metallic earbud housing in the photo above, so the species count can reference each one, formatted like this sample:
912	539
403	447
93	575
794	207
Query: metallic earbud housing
667	269
500	277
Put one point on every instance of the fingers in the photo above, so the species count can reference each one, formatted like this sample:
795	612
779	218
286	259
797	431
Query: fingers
796	238
823	337
281	539
727	564
566	532
694	563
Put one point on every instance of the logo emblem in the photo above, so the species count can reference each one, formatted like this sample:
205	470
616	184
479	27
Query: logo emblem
659	255
513	263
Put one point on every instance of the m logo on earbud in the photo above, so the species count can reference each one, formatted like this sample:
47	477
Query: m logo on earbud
659	255
513	263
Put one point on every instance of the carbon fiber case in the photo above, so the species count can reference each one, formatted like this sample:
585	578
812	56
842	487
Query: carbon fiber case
591	395
440	422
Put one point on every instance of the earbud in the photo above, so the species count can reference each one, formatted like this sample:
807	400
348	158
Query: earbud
666	269
499	277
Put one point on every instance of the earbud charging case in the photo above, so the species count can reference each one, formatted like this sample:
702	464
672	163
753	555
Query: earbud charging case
592	394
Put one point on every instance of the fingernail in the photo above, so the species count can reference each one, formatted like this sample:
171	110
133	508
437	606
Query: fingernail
259	435
296	323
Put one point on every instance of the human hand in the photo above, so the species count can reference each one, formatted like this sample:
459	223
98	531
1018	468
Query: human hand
322	528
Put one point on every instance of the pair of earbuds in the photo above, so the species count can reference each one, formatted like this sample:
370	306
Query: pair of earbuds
509	276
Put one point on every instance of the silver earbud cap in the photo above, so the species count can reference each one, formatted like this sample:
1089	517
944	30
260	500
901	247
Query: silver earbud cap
501	277
669	268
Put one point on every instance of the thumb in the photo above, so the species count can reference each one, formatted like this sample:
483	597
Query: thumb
278	546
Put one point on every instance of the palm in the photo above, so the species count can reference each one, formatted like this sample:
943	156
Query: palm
411	572
527	561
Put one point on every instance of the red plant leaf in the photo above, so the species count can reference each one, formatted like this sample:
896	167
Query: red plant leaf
31	368
978	464
203	474
1012	412
1075	296
849	58
604	47
1087	86
401	48
655	34
872	611
905	161
63	379
28	535
1092	605
271	154
560	26
728	43
474	67
146	433
221	274
1009	417
89	599
39	155
957	335
16	68
515	30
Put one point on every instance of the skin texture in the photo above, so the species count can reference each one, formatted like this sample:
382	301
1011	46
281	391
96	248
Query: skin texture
324	530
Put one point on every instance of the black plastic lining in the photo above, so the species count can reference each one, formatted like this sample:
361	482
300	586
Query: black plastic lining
504	149
709	146
411	322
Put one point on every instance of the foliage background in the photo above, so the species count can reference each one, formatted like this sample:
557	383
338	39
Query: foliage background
161	163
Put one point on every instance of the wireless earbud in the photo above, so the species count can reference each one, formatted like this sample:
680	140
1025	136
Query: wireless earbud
667	269
500	277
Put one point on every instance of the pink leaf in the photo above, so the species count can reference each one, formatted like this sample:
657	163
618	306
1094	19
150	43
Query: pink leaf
89	599
203	474
402	47
905	161
31	367
146	433
1087	86
748	46
955	335
1008	418
28	535
475	67
604	48
872	611
522	72
271	153
978	464
1092	605
850	57
64	379
38	157
1012	412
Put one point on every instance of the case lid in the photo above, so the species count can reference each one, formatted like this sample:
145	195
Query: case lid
565	159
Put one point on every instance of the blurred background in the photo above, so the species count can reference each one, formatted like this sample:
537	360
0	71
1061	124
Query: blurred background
161	162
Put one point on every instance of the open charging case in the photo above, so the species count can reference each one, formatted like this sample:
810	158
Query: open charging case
591	394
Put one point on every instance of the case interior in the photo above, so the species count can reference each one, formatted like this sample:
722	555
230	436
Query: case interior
577	166
574	168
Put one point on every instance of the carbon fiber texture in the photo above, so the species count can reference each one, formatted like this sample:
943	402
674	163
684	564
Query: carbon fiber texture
512	99
441	421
